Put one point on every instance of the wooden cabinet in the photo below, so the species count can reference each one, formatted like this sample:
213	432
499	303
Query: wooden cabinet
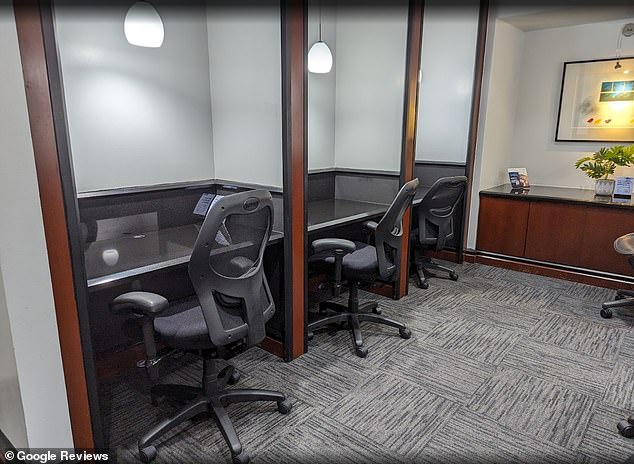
579	234
555	232
502	224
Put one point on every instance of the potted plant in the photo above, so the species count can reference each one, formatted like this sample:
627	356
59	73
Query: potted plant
603	163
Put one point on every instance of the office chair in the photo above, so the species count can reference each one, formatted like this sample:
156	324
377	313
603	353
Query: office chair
233	302
360	263
436	214
624	298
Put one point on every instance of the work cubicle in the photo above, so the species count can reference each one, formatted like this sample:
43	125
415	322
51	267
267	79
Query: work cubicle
155	135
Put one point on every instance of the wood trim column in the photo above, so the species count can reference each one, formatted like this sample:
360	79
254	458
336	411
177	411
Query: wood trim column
294	129
28	16
410	115
472	141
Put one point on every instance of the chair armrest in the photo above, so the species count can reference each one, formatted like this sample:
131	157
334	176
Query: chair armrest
333	244
371	225
145	303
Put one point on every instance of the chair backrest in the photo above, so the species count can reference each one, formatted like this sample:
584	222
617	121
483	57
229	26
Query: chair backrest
437	209
389	232
226	267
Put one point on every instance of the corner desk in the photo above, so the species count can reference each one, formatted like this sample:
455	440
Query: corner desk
567	227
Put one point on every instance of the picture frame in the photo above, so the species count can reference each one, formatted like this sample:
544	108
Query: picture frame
596	103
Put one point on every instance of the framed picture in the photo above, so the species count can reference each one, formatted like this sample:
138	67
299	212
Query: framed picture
597	101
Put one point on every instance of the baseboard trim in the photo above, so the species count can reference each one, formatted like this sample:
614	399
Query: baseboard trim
559	272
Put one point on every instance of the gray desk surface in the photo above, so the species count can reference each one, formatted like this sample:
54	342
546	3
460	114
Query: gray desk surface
559	194
127	256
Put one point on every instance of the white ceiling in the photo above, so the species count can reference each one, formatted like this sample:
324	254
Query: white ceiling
530	18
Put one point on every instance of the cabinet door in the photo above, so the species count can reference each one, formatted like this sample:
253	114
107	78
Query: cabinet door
502	225
602	227
555	232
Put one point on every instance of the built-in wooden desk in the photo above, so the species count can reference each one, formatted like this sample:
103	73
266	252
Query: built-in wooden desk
554	225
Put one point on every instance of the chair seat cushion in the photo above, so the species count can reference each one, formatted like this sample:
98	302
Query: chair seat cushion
185	327
361	264
625	244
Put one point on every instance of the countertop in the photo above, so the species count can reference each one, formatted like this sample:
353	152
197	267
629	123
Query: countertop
560	194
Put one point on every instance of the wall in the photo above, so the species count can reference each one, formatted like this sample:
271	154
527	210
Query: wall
549	162
322	91
246	92
33	404
370	61
137	116
500	87
444	104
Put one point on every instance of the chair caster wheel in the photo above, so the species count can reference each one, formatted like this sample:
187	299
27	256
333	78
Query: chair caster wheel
626	429
606	313
157	400
284	407
242	458
234	378
361	351
424	285
147	454
405	333
619	297
631	420
376	310
310	335
453	276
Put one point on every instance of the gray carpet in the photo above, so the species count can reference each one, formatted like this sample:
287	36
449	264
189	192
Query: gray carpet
502	367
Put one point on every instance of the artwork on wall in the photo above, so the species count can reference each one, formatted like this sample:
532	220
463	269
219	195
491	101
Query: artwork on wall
597	101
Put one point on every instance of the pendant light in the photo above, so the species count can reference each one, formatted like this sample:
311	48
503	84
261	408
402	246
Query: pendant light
143	26
319	55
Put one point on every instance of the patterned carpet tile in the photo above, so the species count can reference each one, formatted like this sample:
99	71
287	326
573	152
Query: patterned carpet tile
590	310
396	414
522	295
579	335
469	438
498	314
319	378
626	353
578	372
483	342
542	409
602	441
620	390
321	439
448	374
590	292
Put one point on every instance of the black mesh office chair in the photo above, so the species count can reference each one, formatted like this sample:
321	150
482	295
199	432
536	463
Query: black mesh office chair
362	263
624	298
436	226
232	304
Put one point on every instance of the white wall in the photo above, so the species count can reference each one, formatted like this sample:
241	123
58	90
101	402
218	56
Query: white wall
499	101
33	404
322	92
137	116
370	61
246	93
447	65
549	162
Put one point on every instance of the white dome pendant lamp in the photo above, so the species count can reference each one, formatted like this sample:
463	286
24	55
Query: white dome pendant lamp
319	55
143	26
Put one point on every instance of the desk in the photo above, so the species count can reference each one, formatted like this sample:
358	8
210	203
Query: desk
554	225
132	255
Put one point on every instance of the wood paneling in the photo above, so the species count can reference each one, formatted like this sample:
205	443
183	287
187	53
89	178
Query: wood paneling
410	115
602	227
28	16
502	225
294	138
555	232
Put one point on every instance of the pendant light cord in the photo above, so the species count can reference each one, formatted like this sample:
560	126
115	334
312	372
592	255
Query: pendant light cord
320	4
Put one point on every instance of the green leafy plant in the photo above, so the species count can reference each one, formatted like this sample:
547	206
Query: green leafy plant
603	163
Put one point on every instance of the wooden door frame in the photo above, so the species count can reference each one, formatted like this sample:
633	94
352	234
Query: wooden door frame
60	213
